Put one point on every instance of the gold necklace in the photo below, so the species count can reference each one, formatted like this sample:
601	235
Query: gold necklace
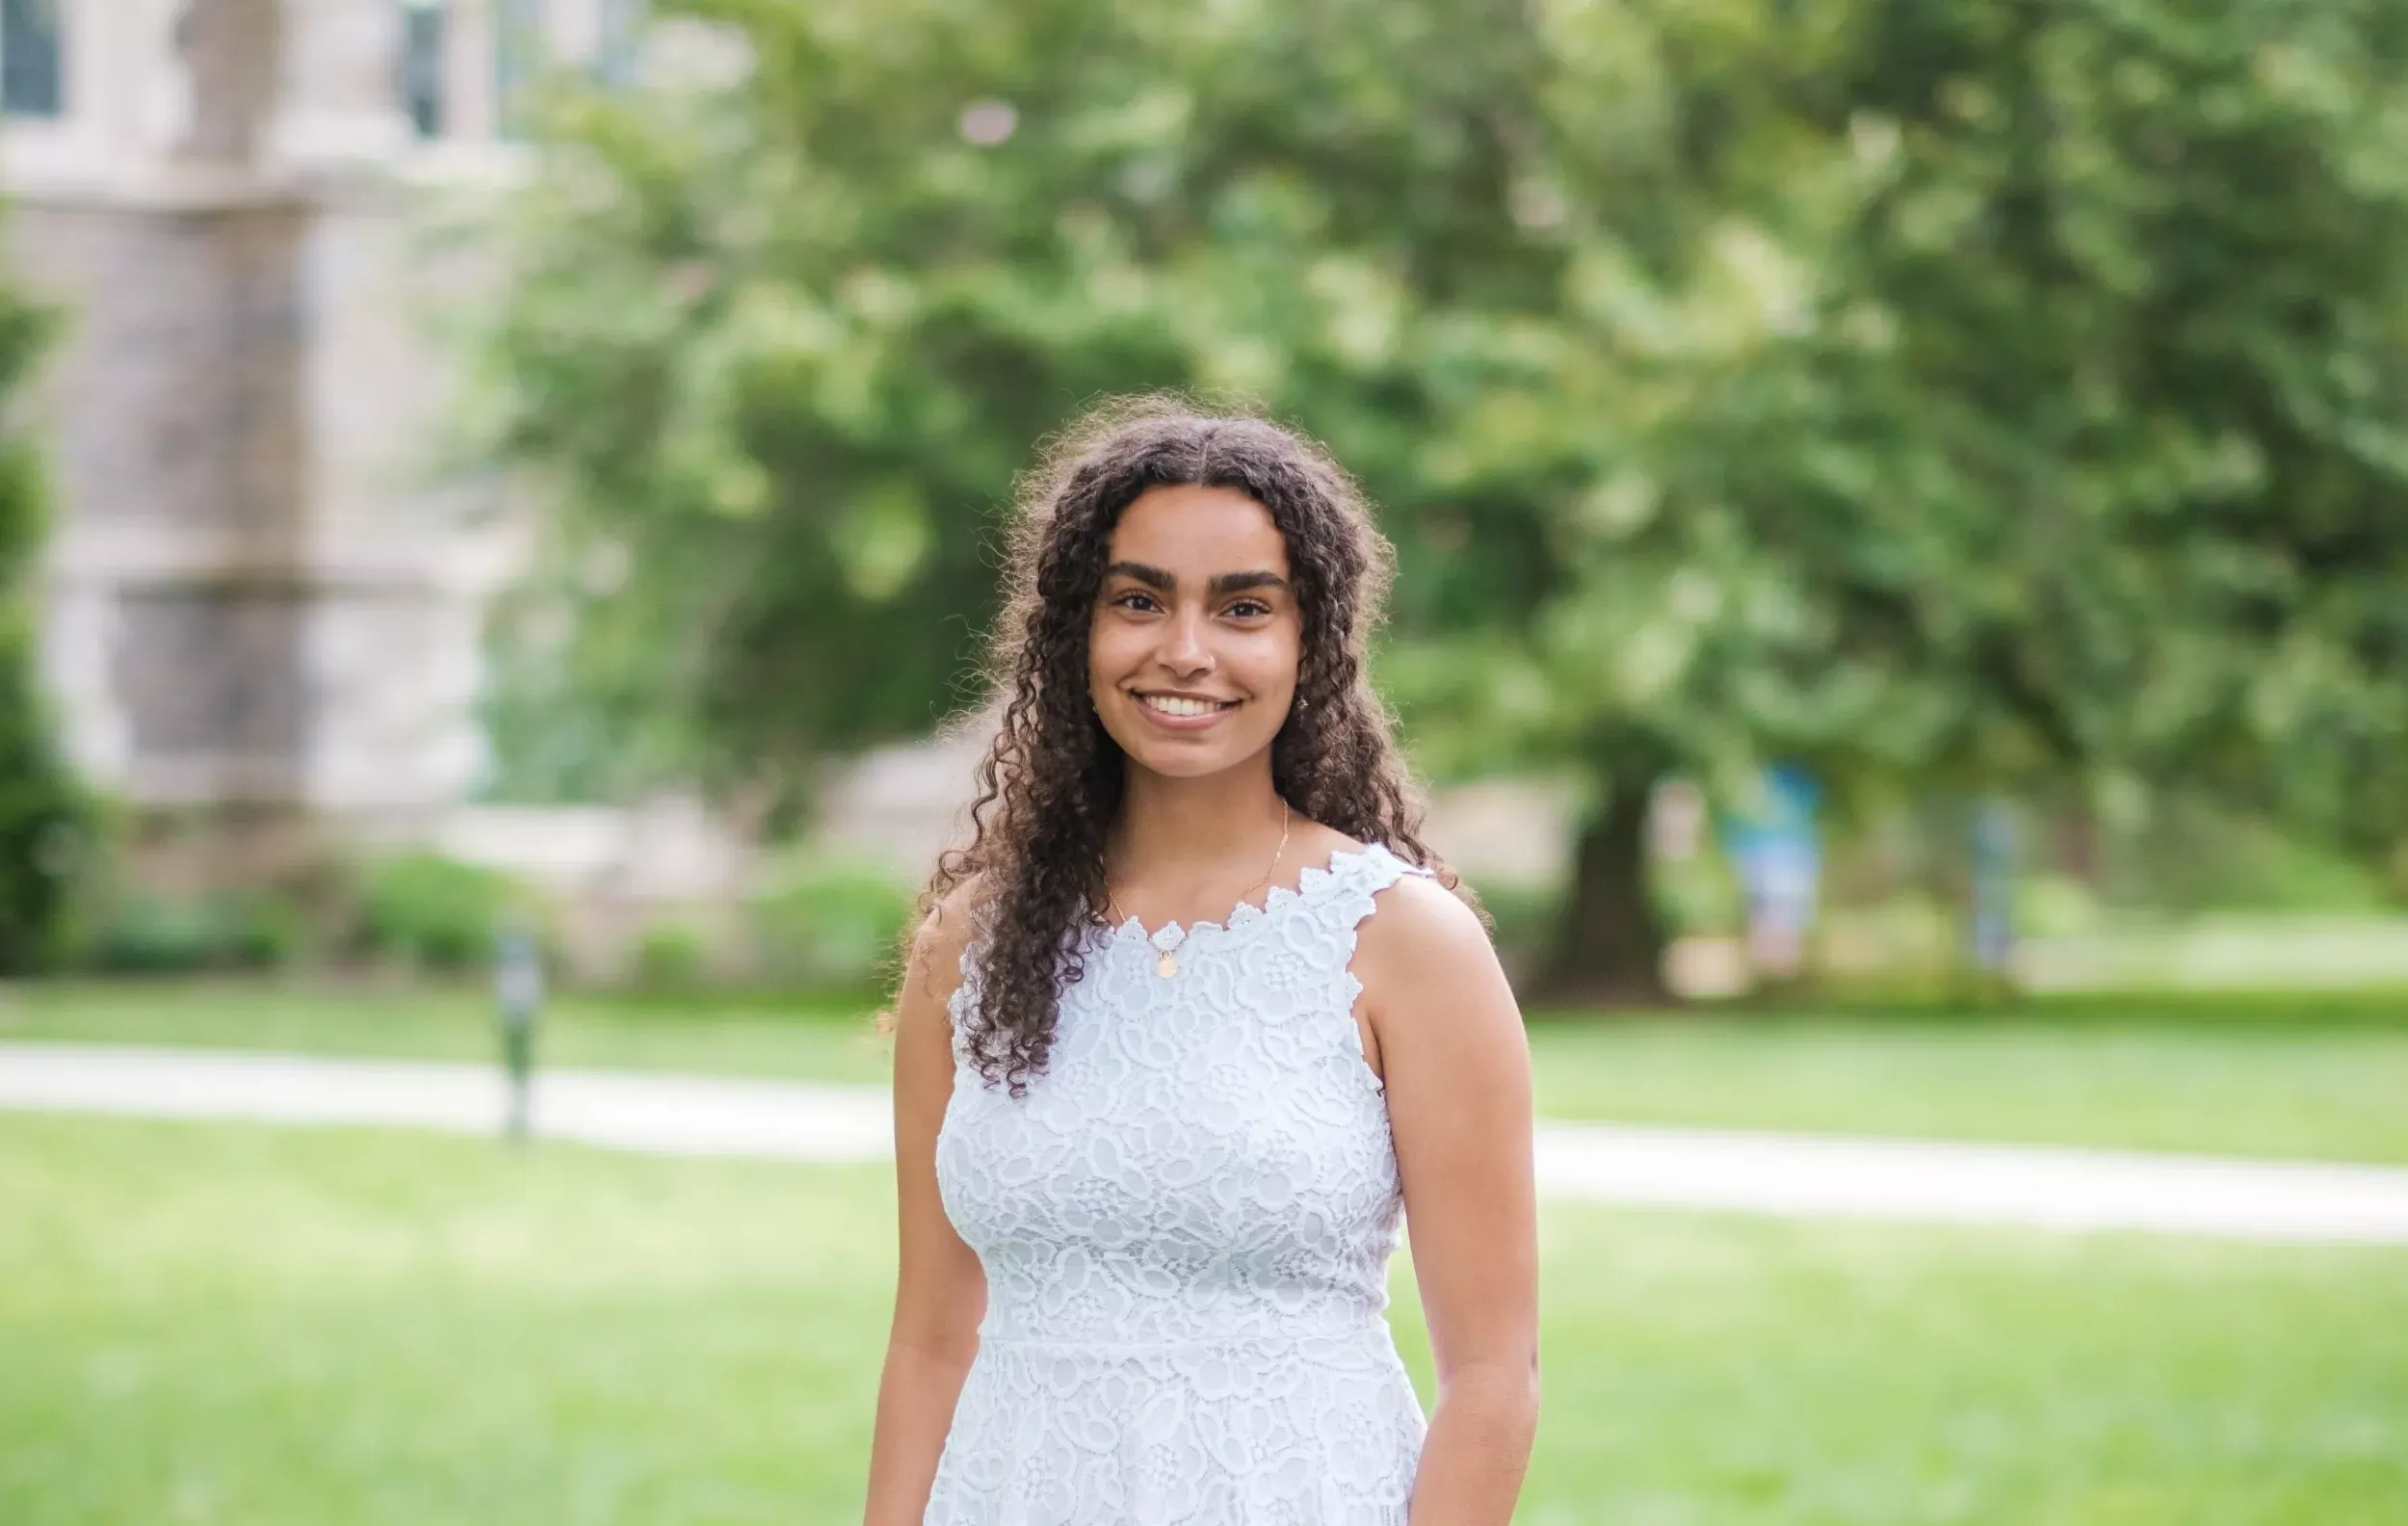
1167	964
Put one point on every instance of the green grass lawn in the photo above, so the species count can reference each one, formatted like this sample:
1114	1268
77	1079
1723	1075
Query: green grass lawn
2312	1078
2337	1093
829	1040
205	1324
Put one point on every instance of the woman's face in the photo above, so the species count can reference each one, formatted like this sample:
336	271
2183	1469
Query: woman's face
1191	651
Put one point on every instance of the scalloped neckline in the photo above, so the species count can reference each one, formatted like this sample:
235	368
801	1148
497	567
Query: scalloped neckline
1246	914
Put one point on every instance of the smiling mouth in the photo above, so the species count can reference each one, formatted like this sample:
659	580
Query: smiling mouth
1180	705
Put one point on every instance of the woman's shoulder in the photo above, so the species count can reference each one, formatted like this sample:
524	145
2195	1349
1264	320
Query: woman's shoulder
1436	1000
1422	937
1416	908
944	934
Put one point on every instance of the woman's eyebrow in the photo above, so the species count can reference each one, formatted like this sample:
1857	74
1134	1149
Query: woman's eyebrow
1218	583
1152	577
1231	582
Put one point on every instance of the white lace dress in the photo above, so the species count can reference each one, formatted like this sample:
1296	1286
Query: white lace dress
1186	1226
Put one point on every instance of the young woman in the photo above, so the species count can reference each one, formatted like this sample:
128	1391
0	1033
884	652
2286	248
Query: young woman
1190	1024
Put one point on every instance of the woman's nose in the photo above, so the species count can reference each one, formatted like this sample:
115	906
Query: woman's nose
1185	649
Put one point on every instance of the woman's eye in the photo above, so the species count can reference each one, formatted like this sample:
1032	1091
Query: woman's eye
1247	609
1133	599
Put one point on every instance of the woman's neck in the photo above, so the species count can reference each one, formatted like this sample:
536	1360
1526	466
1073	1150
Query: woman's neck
1182	829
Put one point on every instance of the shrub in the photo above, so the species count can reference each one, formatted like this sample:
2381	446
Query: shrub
830	923
671	957
433	910
265	930
151	933
2188	856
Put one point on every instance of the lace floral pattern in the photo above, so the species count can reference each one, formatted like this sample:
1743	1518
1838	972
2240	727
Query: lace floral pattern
1186	1226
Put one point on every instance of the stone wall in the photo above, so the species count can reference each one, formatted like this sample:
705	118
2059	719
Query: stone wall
265	588
264	597
176	396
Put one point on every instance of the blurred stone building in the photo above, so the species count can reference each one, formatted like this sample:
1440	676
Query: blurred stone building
264	602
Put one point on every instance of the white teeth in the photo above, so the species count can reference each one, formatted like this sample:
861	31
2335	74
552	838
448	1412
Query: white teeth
1169	704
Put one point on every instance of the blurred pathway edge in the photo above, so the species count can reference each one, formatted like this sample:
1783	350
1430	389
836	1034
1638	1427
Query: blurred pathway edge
1808	1176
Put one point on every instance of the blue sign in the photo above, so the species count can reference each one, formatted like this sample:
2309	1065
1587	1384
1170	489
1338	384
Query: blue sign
1778	856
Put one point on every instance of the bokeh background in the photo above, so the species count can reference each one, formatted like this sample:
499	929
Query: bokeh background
1903	518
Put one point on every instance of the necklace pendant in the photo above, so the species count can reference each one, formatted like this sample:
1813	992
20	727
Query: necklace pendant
1167	965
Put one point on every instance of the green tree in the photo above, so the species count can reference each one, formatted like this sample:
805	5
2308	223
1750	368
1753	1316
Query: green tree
1970	393
46	823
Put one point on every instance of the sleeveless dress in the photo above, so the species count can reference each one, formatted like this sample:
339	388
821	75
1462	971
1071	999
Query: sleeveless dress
1186	1226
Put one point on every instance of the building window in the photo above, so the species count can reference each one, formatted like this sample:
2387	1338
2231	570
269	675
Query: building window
519	55
421	66
616	52
29	58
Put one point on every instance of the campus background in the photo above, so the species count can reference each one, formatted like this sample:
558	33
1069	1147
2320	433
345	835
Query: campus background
1903	613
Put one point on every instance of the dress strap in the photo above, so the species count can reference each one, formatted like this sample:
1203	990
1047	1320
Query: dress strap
1355	896
1353	893
1357	879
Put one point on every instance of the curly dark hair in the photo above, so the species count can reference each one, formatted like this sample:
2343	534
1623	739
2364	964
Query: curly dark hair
1050	785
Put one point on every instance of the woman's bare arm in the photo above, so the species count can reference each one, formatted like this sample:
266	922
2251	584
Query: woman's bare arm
940	1291
1456	1067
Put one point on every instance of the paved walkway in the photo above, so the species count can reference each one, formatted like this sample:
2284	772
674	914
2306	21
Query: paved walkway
1794	1175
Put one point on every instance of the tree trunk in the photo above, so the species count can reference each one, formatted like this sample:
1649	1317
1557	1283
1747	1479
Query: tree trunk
1609	948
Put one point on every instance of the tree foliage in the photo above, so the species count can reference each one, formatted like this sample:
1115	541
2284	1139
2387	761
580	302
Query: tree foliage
1998	393
47	822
